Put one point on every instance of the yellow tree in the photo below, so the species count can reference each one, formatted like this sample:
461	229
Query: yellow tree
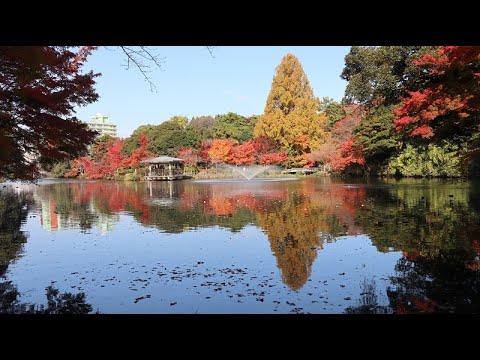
292	117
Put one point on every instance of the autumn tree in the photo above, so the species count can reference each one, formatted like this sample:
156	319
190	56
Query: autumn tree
205	147
340	149
190	155
291	117
276	158
243	154
449	103
221	151
139	154
381	73
39	88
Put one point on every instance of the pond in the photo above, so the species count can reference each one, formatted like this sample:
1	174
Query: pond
299	245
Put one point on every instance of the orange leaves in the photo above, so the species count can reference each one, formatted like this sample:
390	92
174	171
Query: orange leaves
221	151
340	150
291	117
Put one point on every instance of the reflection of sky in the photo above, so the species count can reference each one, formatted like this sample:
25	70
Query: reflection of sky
85	262
304	235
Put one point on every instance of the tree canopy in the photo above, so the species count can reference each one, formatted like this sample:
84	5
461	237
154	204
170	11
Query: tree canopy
39	88
291	117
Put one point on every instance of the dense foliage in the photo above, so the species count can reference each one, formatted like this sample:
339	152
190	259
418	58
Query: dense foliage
422	108
407	111
291	116
39	88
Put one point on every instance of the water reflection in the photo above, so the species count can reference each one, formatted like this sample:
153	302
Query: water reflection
14	210
434	224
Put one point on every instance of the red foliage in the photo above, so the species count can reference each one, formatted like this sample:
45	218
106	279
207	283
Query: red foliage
273	158
205	147
190	155
264	145
340	151
349	154
39	88
453	93
243	154
476	246
106	159
112	161
221	151
139	154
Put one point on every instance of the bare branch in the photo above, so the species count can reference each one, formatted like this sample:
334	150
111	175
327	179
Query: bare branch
210	50
136	56
143	58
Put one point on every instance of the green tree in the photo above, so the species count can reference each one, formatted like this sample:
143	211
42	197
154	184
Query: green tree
333	109
291	117
428	160
167	138
381	73
376	136
234	126
133	141
163	139
204	126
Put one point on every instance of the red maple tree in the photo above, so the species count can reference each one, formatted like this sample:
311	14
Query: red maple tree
190	155
39	88
221	151
138	154
243	154
452	96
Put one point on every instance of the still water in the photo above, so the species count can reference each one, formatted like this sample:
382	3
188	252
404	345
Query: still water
309	245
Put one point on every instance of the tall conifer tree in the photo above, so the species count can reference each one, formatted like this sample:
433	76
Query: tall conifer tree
292	118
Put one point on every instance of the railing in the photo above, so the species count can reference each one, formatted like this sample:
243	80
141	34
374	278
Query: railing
166	172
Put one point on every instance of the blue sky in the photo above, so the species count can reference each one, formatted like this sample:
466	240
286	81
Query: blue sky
193	83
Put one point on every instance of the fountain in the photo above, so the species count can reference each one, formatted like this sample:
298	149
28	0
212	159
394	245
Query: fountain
249	172
246	172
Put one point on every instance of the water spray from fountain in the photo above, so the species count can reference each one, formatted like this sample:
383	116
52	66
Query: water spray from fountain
250	171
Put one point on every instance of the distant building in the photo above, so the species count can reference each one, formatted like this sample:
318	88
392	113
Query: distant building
102	124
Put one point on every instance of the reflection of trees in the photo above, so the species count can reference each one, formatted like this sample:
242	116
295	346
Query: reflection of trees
436	227
67	203
64	303
442	283
13	212
294	228
14	208
421	217
368	301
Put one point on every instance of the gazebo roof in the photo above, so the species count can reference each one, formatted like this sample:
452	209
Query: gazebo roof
162	160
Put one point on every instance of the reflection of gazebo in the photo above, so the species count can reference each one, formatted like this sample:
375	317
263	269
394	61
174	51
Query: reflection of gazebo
165	168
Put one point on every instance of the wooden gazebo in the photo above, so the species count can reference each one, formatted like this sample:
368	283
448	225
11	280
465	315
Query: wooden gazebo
165	168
